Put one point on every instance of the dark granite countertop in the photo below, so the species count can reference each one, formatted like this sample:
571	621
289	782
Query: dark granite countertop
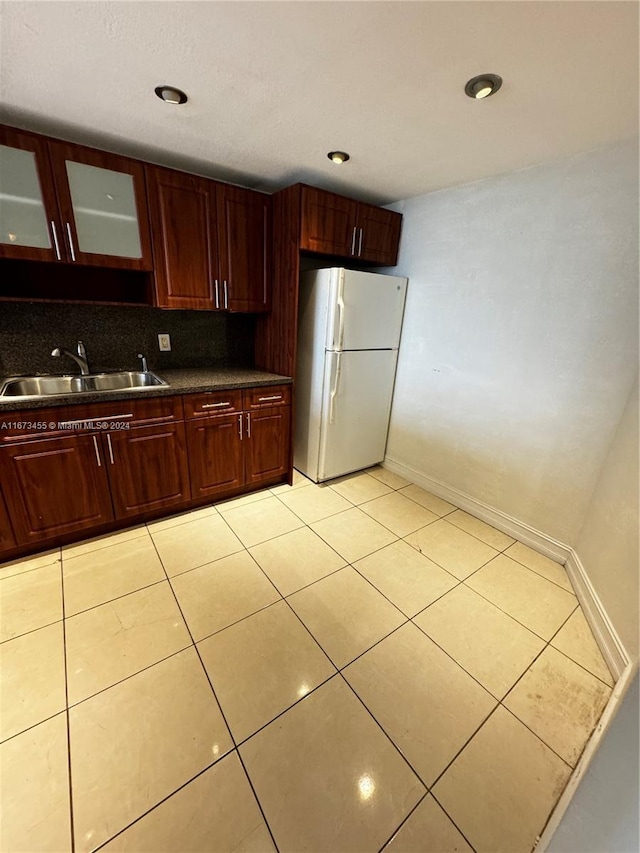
186	381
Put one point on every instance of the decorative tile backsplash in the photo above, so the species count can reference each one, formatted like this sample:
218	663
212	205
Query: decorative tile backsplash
113	335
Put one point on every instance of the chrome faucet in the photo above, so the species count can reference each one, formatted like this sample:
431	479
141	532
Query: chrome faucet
145	368
80	359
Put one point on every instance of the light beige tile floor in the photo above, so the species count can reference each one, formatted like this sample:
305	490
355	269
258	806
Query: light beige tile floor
349	667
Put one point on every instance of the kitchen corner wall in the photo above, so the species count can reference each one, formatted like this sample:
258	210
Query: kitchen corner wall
113	336
520	340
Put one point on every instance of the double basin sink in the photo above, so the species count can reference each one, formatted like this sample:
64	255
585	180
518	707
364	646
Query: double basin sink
53	386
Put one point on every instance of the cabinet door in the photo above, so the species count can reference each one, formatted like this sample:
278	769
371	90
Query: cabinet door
147	468
379	234
29	218
103	204
183	222
54	487
244	240
328	223
215	454
266	451
7	539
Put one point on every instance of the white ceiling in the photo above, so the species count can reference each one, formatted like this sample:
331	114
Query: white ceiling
273	86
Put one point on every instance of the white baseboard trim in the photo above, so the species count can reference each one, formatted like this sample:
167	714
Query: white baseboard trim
557	551
605	634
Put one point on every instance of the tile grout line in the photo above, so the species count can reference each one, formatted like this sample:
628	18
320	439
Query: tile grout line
404	820
67	710
453	822
222	713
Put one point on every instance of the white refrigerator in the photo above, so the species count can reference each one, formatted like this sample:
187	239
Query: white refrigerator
349	328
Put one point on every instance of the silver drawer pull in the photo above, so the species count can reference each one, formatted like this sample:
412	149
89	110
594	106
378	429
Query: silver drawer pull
248	424
213	405
93	418
95	447
110	448
273	397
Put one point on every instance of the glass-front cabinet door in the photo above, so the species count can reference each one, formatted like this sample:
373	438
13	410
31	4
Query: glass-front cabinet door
103	205
29	219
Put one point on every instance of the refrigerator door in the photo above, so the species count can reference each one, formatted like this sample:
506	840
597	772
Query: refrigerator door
357	394
365	310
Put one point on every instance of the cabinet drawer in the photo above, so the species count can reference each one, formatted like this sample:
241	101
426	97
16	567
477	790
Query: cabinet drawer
210	403
267	397
82	418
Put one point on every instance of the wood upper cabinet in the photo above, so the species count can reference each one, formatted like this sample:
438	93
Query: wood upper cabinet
332	224
147	468
183	223
215	454
244	239
55	486
103	207
7	539
30	223
328	222
267	446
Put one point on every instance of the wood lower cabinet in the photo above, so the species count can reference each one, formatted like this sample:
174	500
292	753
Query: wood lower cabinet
7	539
55	487
267	446
147	468
216	462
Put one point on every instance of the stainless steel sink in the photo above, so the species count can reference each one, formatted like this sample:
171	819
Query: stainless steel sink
55	386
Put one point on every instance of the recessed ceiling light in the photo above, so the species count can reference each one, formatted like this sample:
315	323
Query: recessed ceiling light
338	156
171	95
483	85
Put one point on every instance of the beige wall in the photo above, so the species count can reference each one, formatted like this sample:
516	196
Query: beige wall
608	542
520	339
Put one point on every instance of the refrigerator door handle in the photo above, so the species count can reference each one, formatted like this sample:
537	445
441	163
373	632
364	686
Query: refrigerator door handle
341	312
336	386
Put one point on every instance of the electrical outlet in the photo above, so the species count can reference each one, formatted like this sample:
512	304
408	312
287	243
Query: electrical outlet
164	342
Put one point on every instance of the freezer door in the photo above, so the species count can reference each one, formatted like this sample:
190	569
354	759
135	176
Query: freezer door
357	396
365	310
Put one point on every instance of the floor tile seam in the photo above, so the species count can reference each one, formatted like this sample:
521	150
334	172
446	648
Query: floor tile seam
540	738
484	542
238	621
286	710
257	799
115	598
404	535
453	822
540	575
317	580
66	713
403	821
444	515
58	713
463	668
424	554
305	523
31	631
269	538
127	677
564	654
200	565
510	615
435	600
379	591
385	733
489	601
162	801
368	554
197	651
90	551
28	571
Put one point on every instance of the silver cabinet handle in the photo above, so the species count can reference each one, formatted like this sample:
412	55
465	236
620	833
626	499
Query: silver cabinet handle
55	239
360	242
226	293
353	241
110	448
248	425
95	447
213	405
217	289
73	253
240	425
272	397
